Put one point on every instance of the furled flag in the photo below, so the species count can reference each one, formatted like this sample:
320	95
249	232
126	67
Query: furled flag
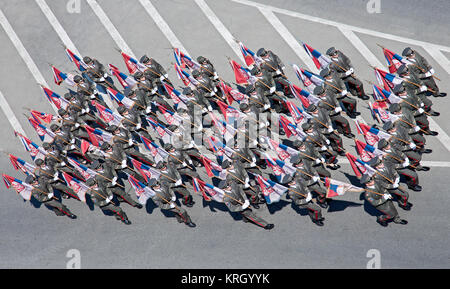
44	134
22	188
382	94
365	151
321	61
42	116
163	131
110	117
273	164
171	116
59	77
181	76
290	128
132	64
98	136
120	98
183	60
77	60
227	110
232	94
386	79
213	169
359	167
249	56
214	192
338	188
158	153
22	165
223	151
380	113
309	80
54	98
225	130
143	193
371	135
79	187
34	150
241	74
199	186
125	80
86	172
146	171
297	113
394	60
284	152
272	191
287	168
178	98
192	81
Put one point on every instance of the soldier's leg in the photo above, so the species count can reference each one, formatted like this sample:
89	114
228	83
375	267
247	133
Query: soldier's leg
336	143
355	86
423	122
321	195
59	208
322	171
431	84
66	192
118	212
419	140
349	104
342	124
402	198
186	195
249	215
414	157
182	216
124	196
389	213
412	179
314	211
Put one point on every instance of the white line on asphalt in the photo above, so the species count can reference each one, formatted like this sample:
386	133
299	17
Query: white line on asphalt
438	56
423	163
10	114
289	38
110	27
226	34
162	25
65	38
337	24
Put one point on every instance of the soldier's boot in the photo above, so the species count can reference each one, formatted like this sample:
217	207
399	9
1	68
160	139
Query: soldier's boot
318	222
406	207
188	201
382	221
422	168
269	227
321	201
416	188
397	220
125	219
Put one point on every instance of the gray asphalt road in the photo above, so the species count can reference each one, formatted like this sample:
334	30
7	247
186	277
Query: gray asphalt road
36	238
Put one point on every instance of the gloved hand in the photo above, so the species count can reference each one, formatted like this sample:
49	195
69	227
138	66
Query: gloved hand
394	186
209	108
148	110
83	111
87	110
77	125
266	106
272	89
101	79
330	129
50	195
315	178
107	200
255	142
338	109
72	147
138	126
215	76
416	128
166	76
422	104
423	88
317	161
172	205
130	142
327	141
123	164
212	93
92	96
72	141
322	159
344	92
412	145
308	197
323	148
245	205
184	164
55	177
277	72
420	110
387	196
95	91
177	183
161	78
113	183
153	91
252	164
204	110
215	89
173	198
62	164
406	163
105	75
114	179
397	180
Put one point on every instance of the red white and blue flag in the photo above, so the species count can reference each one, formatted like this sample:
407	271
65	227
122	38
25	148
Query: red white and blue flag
382	94
241	74
272	191
232	94
158	153
171	116
34	150
22	165
213	169
86	172
132	64
59	77
249	56
184	60
143	193
359	167
394	60
386	79
54	98
146	171
77	60
44	134
178	98
223	151
22	188
110	117
97	136
371	135
337	188
120	98
42	116
125	80
79	187
321	61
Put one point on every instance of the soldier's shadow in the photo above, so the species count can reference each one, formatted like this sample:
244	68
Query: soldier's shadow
213	205
352	179
299	210
274	207
340	205
35	203
368	208
89	202
150	207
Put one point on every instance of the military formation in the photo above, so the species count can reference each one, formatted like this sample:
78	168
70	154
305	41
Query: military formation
148	139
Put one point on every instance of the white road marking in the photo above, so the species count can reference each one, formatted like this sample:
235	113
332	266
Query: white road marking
162	25
226	34
423	163
10	114
438	56
110	27
65	38
289	38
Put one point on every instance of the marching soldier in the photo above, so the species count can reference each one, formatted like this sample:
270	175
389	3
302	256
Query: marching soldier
208	68
49	178
342	65
301	197
97	72
171	177
87	91
420	66
335	86
155	71
380	198
165	199
330	103
236	201
102	197
44	194
257	97
320	143
309	154
273	65
180	160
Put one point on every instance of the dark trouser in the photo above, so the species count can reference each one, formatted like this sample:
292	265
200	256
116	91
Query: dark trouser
188	173
422	122
64	189
431	83
120	214
181	215
123	196
335	142
354	85
402	196
329	156
252	217
58	208
341	123
418	139
321	192
314	211
411	176
322	171
389	212
414	157
348	103
427	103
139	156
184	192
